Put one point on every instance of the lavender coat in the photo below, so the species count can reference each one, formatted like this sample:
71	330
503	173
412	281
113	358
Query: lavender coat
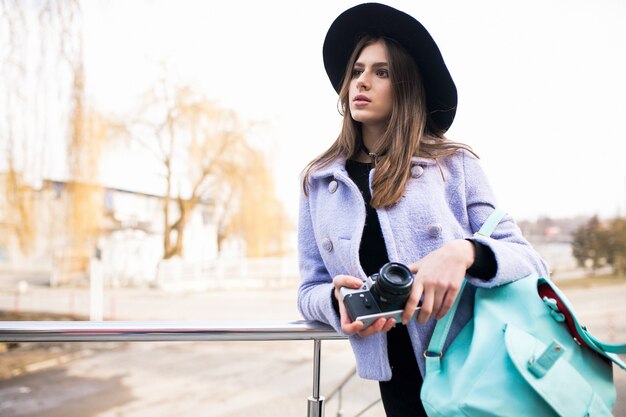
432	212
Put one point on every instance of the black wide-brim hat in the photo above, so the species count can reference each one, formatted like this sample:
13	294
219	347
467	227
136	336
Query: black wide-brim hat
382	20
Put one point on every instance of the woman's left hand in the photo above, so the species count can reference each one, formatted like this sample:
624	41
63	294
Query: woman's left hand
438	278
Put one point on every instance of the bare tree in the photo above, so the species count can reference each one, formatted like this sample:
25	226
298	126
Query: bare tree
201	149
42	93
40	62
204	156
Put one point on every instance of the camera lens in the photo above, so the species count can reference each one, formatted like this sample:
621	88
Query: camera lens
393	285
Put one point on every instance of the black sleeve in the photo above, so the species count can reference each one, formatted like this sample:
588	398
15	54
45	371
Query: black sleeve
485	265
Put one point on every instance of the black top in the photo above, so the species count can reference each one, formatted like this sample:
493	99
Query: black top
372	253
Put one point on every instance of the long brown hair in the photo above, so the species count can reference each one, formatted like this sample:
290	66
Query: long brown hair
410	131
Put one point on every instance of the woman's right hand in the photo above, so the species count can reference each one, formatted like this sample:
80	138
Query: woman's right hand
350	327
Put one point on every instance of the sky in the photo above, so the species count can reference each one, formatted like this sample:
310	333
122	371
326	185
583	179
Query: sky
542	92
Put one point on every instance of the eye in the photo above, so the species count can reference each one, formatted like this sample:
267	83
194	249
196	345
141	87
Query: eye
383	73
356	72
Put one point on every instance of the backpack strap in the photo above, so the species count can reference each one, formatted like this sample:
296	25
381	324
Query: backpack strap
435	347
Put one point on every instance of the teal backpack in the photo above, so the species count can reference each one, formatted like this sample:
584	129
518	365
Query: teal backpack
524	353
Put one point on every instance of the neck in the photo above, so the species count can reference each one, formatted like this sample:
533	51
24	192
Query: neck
371	136
370	144
362	156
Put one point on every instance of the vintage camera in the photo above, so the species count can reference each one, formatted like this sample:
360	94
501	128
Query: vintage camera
382	295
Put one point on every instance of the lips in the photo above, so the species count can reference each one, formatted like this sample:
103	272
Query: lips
361	100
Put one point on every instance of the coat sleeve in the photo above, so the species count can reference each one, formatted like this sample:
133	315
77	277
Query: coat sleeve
316	288
515	257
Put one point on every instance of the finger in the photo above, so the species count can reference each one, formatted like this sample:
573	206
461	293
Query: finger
412	302
447	303
414	267
390	324
376	327
352	328
347	281
348	326
440	293
427	306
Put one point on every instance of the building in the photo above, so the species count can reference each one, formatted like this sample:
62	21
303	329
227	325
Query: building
124	233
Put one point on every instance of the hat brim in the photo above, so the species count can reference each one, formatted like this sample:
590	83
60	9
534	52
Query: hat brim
382	20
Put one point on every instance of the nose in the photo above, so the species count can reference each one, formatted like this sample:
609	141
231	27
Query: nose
362	82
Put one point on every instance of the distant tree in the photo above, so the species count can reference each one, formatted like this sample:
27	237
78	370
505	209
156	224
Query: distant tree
598	244
616	245
589	244
204	157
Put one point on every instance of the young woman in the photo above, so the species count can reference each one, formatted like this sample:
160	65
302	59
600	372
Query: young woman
392	187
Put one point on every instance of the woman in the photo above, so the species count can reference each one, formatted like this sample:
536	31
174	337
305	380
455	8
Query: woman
392	187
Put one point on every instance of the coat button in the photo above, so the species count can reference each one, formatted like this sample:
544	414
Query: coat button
434	230
332	186
327	244
417	171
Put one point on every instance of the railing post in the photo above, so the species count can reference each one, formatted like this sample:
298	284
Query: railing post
316	402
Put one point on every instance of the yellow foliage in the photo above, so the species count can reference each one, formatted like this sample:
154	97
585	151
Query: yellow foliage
19	211
260	217
85	212
85	198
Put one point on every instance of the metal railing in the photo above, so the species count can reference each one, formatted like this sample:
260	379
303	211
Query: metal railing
160	331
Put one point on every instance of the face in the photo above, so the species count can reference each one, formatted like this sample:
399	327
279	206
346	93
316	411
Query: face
370	88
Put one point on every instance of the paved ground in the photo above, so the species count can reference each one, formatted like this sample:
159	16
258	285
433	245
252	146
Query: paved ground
226	379
193	378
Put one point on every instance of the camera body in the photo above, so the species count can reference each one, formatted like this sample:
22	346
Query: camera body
382	295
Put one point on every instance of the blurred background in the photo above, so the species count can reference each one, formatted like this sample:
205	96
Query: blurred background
150	154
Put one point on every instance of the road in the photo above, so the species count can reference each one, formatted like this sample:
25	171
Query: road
226	379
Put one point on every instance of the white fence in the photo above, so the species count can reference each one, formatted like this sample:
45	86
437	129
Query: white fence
177	274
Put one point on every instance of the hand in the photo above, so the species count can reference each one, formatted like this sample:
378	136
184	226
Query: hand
438	277
349	327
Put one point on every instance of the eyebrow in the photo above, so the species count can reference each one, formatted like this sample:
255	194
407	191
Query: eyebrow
375	65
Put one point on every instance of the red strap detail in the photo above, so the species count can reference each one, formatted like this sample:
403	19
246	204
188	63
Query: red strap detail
545	290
